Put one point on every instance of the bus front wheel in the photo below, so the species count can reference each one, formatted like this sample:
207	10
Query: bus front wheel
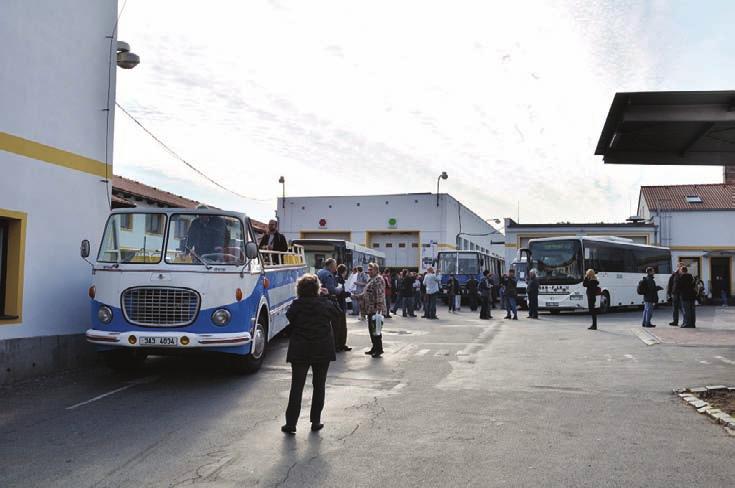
252	362
605	302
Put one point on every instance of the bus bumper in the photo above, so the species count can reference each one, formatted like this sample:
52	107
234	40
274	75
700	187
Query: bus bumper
562	302
166	339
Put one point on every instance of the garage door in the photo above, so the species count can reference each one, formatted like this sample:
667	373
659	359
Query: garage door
401	248
326	235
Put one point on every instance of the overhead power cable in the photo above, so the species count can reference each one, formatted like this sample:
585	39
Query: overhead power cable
187	163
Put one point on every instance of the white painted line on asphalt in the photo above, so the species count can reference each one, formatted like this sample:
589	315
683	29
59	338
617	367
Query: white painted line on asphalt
630	356
704	362
725	360
423	352
442	352
142	381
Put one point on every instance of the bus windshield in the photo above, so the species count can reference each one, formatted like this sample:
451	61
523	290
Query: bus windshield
468	263
133	238
558	262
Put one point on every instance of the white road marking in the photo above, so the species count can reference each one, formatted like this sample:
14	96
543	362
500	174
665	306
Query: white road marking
423	352
725	360
148	379
704	362
442	352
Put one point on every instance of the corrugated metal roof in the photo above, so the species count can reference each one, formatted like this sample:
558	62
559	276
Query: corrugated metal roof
716	196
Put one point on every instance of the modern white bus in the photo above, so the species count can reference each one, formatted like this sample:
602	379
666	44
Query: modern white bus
560	264
168	281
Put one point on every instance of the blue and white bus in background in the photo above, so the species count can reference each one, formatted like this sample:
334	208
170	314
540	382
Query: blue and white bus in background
466	264
169	281
560	264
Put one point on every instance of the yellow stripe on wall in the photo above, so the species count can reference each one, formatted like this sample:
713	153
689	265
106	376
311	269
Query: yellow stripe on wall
59	157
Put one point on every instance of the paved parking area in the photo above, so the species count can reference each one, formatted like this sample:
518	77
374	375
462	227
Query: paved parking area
454	402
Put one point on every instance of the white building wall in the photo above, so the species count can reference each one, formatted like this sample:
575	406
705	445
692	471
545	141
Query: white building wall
366	216
53	88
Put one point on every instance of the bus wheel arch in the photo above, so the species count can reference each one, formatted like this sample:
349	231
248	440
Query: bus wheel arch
251	362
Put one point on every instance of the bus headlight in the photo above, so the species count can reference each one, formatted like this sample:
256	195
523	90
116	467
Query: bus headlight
104	314
221	316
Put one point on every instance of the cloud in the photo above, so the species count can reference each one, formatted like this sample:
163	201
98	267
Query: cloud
381	97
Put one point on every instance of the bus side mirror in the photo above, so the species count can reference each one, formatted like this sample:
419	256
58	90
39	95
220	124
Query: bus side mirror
251	250
84	249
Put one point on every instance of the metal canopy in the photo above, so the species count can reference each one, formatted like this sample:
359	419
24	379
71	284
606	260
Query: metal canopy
696	128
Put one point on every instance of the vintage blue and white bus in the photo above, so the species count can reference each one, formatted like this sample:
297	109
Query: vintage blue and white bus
179	280
466	264
560	264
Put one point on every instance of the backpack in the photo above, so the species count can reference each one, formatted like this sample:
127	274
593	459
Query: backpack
641	290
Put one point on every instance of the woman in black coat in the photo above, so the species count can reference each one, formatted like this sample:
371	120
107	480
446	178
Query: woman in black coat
592	285
311	344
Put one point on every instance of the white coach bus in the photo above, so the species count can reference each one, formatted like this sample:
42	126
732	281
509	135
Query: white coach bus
169	281
560	264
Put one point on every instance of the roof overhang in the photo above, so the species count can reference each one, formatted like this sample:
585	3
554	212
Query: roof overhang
680	128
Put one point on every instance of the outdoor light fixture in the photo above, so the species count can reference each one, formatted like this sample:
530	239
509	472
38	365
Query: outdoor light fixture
125	58
282	181
442	176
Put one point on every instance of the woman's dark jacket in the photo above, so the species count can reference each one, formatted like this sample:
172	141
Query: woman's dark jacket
686	287
591	286
407	286
310	325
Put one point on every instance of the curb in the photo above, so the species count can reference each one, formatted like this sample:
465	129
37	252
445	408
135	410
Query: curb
694	397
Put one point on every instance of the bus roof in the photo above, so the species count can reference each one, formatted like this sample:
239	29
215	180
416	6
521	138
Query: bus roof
348	244
467	251
607	239
170	211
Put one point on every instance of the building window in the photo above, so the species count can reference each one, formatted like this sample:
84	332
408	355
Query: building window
12	254
694	199
376	245
154	224
181	229
414	244
388	244
126	222
401	244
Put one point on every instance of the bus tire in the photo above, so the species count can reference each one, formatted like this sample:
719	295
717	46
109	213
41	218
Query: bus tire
124	361
554	312
252	362
605	302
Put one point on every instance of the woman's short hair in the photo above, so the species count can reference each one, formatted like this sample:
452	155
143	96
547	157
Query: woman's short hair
590	274
341	268
374	266
308	286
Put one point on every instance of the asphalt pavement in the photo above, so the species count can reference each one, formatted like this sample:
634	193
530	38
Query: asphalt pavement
453	402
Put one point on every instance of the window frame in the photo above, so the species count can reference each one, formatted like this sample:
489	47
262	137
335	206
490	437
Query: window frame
146	215
4	231
14	266
247	237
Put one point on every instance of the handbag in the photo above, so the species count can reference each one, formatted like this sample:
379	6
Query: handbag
378	318
598	291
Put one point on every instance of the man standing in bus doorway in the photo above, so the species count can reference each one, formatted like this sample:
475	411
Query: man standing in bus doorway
532	294
672	292
486	287
274	241
472	293
511	295
688	292
649	289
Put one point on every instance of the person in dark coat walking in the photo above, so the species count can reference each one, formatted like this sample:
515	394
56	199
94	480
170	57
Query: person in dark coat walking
532	295
472	293
672	292
688	293
649	289
311	345
486	289
452	291
590	282
511	295
407	294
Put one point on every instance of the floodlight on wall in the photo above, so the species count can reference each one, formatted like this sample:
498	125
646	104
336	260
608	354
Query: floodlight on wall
125	58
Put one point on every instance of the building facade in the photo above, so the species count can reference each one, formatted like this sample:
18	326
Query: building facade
57	86
409	228
517	235
698	223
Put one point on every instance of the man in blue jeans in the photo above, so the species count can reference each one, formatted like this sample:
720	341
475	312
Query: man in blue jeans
432	290
511	294
648	288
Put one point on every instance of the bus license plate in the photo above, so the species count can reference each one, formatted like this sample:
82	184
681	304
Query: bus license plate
552	304
158	341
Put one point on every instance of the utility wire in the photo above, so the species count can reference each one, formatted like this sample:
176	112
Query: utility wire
187	163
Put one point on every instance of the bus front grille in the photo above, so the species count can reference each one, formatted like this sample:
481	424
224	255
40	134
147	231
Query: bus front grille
154	306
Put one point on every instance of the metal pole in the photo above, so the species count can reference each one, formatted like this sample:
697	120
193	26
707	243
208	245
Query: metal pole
437	190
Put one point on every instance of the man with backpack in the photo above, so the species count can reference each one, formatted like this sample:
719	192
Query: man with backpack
648	288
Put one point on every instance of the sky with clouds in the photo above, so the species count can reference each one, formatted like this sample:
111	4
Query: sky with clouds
346	97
